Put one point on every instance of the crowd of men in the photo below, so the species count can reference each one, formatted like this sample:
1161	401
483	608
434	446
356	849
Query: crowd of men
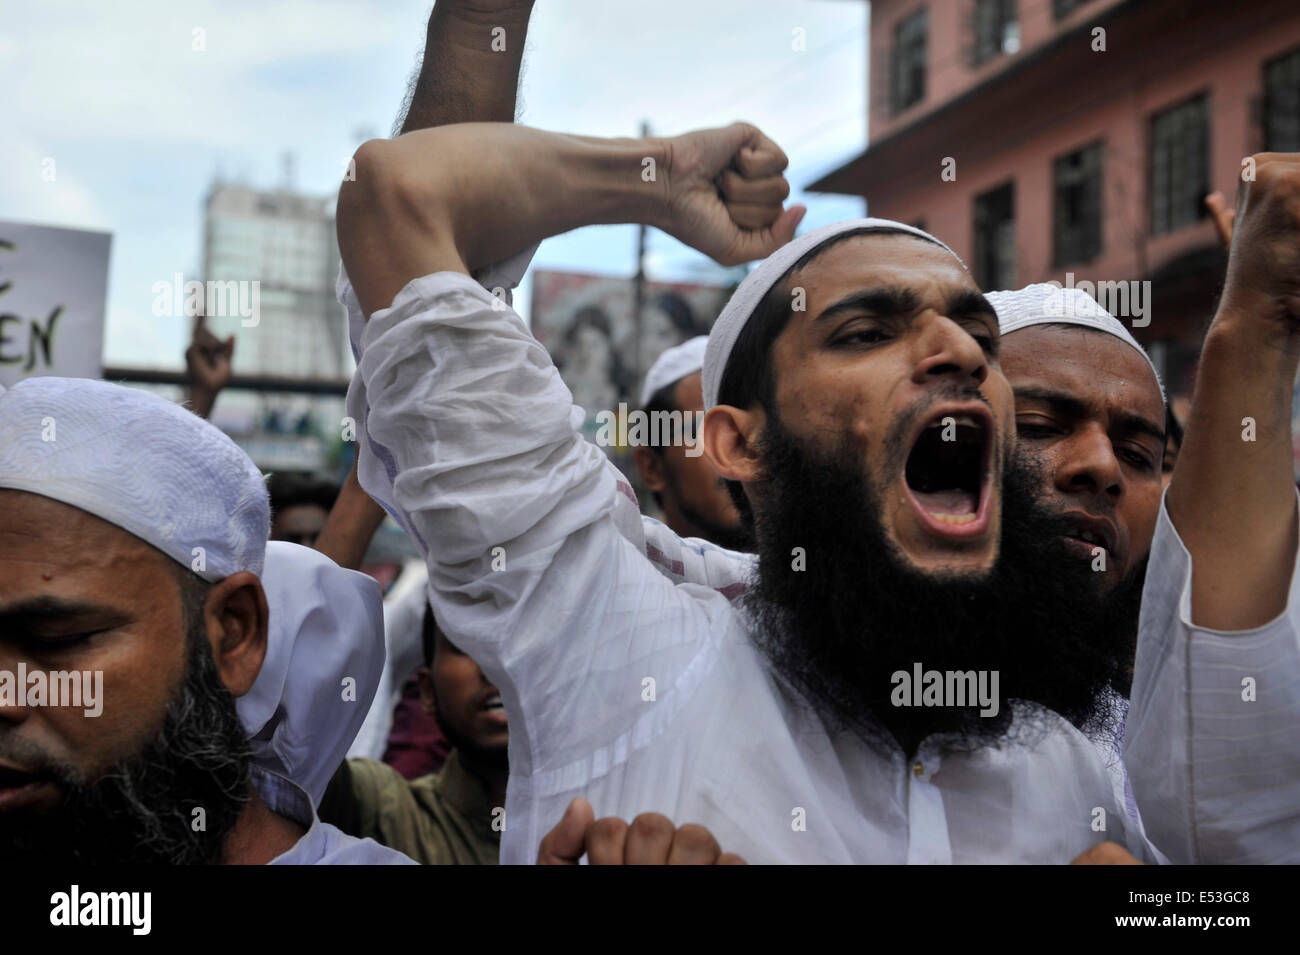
924	597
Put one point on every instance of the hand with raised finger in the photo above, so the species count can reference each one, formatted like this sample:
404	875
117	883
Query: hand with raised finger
209	364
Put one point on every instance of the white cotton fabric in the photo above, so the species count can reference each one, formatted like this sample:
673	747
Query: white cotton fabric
1215	770
324	656
1045	303
321	844
140	462
404	639
471	438
725	331
674	365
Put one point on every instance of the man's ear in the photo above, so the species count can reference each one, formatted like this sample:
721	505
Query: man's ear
235	617
731	442
651	468
428	701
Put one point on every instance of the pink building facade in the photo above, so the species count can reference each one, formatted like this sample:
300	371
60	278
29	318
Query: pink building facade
1046	137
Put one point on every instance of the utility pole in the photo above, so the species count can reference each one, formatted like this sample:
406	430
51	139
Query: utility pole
638	282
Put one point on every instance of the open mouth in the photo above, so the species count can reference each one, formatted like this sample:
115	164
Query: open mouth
493	708
947	471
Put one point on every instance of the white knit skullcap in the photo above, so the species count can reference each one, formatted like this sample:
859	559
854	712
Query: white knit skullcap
133	459
325	626
1048	303
722	338
674	365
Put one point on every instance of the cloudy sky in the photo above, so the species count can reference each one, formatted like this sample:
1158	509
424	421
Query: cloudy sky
139	123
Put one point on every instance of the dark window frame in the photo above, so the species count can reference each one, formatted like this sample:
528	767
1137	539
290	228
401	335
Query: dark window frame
990	21
1078	179
1178	164
994	264
1281	115
909	77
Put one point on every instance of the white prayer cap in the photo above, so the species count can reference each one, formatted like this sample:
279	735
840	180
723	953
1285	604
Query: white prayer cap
325	628
674	365
133	459
722	338
1047	303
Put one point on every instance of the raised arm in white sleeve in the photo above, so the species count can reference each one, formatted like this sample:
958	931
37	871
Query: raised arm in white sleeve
1212	738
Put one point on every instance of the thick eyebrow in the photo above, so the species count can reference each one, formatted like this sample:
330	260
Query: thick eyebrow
969	302
893	301
47	609
1074	407
887	301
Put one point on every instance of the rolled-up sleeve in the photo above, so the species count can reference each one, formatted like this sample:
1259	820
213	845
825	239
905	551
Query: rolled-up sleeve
1213	737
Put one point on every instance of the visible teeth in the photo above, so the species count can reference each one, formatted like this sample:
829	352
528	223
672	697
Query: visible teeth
962	420
953	518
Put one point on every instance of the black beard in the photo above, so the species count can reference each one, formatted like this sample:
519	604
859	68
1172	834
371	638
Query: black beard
1058	634
142	812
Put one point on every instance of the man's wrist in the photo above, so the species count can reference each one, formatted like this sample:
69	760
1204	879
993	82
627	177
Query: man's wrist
1254	325
620	180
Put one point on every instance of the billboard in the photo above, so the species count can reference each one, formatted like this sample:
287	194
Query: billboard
53	286
586	323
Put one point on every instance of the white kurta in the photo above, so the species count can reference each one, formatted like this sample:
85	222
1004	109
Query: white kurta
469	437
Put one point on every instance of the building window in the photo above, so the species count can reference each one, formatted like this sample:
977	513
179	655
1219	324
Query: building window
997	29
1063	8
995	238
1282	104
908	81
1076	214
1179	165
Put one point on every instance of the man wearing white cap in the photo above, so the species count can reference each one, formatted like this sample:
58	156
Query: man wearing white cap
132	547
1090	420
683	482
854	400
645	696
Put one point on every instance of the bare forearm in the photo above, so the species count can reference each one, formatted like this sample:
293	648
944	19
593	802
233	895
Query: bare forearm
462	197
470	69
1232	497
351	524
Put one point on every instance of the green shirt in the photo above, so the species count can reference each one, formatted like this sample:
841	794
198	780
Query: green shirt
444	818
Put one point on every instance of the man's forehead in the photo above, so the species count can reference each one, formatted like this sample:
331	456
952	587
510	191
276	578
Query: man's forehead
58	534
1090	365
879	261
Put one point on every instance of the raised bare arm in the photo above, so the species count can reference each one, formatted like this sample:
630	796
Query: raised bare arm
473	52
1233	495
458	198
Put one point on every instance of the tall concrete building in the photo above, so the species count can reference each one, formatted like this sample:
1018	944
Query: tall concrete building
286	243
1046	137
